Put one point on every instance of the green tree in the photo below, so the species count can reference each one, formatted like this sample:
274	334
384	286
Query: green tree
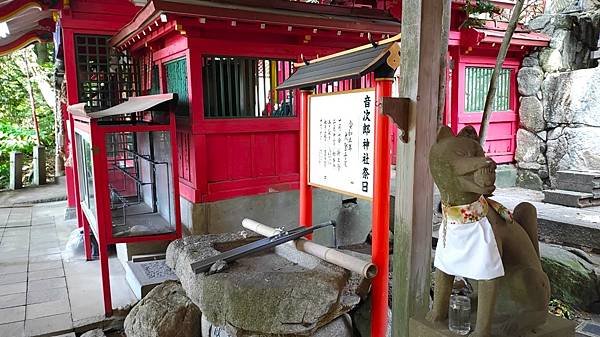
16	123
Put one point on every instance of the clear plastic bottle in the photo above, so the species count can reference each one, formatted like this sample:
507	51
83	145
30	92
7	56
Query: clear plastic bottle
459	315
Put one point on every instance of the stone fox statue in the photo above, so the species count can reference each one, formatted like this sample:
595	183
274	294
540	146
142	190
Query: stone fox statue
481	240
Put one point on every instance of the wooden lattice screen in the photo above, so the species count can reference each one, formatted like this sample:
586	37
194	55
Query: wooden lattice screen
477	82
105	77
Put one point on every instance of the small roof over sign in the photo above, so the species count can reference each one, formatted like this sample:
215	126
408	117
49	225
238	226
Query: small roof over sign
132	105
352	63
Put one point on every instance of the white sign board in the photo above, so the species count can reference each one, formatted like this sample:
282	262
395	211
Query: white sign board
340	130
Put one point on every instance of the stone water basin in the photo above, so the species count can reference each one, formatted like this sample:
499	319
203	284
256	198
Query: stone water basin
277	292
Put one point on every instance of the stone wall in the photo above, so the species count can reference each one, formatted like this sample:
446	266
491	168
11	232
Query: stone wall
560	101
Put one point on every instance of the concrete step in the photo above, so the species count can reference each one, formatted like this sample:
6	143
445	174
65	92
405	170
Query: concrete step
144	276
582	181
570	198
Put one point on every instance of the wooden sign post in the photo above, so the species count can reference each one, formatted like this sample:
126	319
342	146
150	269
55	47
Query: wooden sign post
345	145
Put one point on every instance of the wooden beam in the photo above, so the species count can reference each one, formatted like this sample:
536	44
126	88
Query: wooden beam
419	81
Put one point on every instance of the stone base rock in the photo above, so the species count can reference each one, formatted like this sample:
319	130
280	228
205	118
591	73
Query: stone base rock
94	333
278	292
554	327
573	277
165	312
361	317
339	327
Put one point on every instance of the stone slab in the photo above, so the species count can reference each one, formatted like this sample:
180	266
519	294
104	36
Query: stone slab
554	327
144	276
588	178
12	300
10	315
49	326
584	188
16	329
570	198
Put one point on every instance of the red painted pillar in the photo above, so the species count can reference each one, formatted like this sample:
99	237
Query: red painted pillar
82	221
103	211
306	216
381	211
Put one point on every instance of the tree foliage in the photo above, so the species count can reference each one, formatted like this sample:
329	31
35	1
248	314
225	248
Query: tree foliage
16	124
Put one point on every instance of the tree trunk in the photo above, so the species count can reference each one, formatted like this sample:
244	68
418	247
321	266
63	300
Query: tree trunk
491	94
32	101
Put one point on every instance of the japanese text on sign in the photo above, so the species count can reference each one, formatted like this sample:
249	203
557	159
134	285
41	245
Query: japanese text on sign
341	142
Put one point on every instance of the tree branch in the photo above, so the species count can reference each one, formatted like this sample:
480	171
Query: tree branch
491	95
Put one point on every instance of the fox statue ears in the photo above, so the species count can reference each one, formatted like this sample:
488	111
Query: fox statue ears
467	132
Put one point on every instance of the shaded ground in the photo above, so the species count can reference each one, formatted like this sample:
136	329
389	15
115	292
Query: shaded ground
43	290
35	194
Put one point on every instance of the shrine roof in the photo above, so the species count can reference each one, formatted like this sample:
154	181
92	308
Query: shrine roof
522	38
270	12
352	63
132	105
27	21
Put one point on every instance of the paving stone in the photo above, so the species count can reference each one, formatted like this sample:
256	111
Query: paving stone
12	300
13	251
46	274
14	314
48	246
44	242
44	220
11	261
11	224
13	245
15	234
13	278
14	255
43	251
9	237
14	288
49	325
47	295
43	229
45	258
37	266
47	309
50	283
15	329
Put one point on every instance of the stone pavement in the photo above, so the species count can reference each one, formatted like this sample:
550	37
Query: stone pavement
42	293
579	227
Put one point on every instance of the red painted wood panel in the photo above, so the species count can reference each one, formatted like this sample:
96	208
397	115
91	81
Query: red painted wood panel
263	155
239	156
217	158
250	163
288	156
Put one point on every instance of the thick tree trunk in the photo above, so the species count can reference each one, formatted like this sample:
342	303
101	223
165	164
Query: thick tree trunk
489	100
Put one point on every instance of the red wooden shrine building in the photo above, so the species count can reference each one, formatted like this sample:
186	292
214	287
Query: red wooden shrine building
237	135
226	59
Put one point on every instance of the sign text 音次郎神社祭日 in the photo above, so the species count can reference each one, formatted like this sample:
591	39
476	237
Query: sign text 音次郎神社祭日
341	143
